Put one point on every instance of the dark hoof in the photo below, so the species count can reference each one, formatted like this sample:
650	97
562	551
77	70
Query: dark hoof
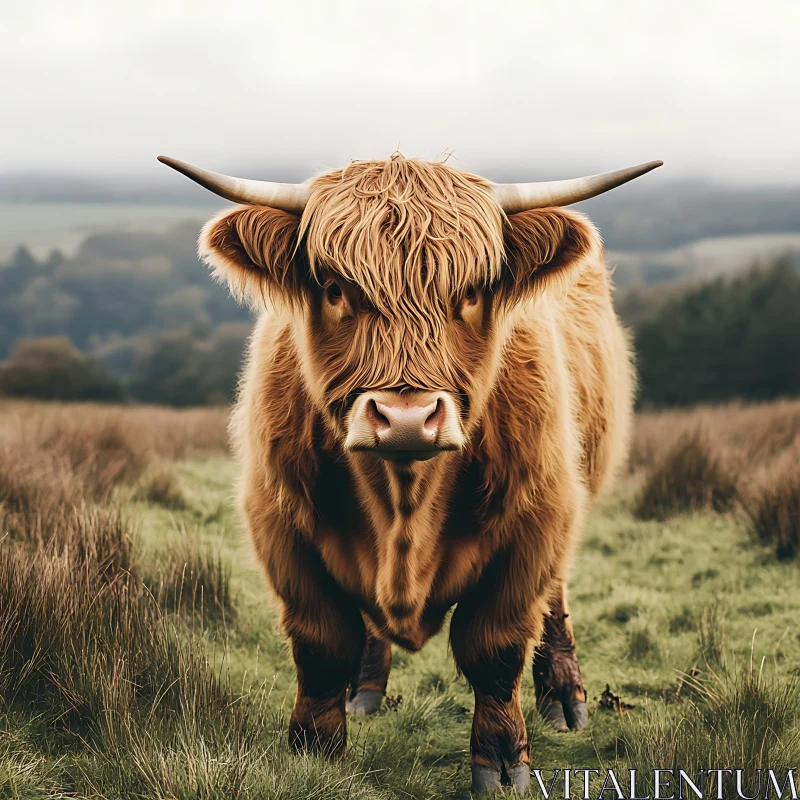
367	701
485	779
553	713
577	715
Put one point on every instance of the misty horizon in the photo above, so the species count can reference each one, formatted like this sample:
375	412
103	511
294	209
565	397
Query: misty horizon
524	92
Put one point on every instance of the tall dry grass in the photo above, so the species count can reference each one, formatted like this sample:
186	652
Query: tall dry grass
73	610
193	579
741	717
86	646
57	456
693	474
757	432
86	651
723	457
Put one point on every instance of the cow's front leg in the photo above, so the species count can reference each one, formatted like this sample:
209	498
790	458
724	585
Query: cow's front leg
327	635
493	661
318	720
366	694
560	695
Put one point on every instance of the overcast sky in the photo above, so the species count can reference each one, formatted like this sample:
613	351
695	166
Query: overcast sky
547	88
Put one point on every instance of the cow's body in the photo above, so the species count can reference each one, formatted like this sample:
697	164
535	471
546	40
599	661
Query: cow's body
554	432
404	284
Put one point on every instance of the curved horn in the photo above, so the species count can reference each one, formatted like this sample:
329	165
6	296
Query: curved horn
514	197
290	197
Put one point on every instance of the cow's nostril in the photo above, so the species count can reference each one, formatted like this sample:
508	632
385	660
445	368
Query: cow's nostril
435	419
379	423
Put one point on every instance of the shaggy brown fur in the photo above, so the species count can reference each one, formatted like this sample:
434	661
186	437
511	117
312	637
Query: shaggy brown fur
541	371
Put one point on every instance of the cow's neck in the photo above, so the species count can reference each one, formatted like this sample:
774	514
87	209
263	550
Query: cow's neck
407	507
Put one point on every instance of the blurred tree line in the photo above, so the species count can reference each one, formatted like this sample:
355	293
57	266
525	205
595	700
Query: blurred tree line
735	337
175	368
134	316
135	311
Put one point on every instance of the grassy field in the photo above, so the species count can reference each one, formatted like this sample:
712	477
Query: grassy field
140	655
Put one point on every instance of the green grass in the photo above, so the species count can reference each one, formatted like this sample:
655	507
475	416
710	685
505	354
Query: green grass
650	602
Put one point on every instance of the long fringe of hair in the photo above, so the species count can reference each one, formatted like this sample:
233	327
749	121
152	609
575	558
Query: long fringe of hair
412	234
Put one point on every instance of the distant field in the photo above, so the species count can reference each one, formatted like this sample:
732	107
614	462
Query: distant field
171	679
43	227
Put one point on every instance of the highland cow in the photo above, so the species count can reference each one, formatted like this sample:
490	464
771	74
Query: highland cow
436	389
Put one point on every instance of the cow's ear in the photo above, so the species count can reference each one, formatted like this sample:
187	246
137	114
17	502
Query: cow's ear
548	248
254	250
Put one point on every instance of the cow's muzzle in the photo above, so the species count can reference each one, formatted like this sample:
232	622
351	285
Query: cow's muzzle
404	426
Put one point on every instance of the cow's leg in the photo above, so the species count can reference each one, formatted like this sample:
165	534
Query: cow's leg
324	671
327	637
491	654
560	695
366	694
499	741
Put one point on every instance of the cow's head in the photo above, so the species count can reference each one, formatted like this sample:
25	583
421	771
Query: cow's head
404	278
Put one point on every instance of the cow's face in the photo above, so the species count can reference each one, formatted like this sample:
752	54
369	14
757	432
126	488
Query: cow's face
404	279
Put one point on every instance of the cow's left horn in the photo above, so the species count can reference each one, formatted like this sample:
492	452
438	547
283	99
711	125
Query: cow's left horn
290	197
514	197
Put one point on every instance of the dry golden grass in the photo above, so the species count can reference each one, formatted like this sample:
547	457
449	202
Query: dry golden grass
771	500
756	432
152	430
56	456
162	488
85	645
692	475
193	579
721	456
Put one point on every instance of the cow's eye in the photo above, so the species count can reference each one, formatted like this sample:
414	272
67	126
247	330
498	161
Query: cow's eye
334	294
468	306
468	301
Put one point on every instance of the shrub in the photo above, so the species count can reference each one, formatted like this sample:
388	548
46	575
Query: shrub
162	488
52	369
772	504
692	475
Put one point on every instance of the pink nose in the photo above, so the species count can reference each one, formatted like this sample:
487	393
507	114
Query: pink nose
406	424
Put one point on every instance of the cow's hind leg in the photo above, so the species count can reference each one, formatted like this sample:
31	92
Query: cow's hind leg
366	694
560	695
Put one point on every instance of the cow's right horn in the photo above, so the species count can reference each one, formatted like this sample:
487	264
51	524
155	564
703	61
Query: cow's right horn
290	197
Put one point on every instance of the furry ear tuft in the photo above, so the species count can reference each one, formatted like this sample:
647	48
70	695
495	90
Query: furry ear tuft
548	247
253	249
